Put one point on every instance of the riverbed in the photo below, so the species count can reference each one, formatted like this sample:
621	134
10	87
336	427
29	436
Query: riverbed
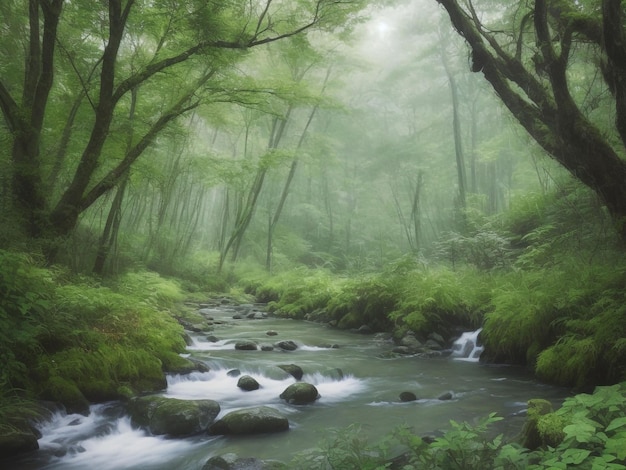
357	376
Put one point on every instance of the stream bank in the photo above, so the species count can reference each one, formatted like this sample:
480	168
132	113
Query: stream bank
359	379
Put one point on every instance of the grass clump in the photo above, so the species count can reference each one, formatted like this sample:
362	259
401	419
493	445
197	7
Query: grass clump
568	323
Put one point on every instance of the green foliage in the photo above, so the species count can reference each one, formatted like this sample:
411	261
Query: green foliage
568	220
522	312
569	361
593	434
485	249
344	449
365	299
26	293
404	296
73	339
588	432
294	293
567	321
440	299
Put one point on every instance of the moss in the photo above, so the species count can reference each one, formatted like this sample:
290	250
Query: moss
570	362
550	427
350	320
530	436
62	391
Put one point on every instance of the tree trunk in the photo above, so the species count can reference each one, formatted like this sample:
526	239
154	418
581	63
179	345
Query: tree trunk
287	186
243	220
549	114
416	211
111	228
458	140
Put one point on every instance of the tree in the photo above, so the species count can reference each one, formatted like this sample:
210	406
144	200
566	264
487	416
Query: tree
544	65
90	42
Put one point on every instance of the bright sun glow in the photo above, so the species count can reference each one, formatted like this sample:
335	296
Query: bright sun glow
382	28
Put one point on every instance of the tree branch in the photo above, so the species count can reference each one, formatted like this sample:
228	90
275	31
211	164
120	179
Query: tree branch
10	109
615	69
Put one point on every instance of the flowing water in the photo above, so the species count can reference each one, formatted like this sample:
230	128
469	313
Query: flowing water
357	378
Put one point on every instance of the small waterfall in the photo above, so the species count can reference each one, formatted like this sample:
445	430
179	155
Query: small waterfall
466	348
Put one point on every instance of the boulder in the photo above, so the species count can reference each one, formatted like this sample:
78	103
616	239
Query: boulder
171	416
410	341
408	396
267	347
16	441
401	350
446	396
543	427
437	337
271	333
335	374
234	462
233	373
187	366
187	339
247	383
287	345
300	393
246	345
434	345
257	420
60	390
293	370
365	330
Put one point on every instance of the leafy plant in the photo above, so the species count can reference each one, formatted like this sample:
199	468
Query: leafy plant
344	449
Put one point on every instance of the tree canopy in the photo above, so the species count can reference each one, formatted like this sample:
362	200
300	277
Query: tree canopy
77	77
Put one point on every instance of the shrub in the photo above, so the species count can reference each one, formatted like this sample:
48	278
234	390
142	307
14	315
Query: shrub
69	338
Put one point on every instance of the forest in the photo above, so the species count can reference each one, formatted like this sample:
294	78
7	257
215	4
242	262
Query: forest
411	167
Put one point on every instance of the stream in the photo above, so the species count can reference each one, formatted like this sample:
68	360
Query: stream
357	378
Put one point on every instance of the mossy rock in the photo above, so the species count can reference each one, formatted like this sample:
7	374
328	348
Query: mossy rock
550	427
258	420
150	384
234	462
300	393
531	437
98	390
184	366
292	369
16	441
247	383
171	416
350	320
59	390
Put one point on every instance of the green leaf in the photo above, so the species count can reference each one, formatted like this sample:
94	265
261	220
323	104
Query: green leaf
575	456
616	445
582	432
616	423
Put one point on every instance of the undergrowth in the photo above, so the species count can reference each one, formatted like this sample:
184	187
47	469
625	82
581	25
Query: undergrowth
73	340
404	296
590	430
